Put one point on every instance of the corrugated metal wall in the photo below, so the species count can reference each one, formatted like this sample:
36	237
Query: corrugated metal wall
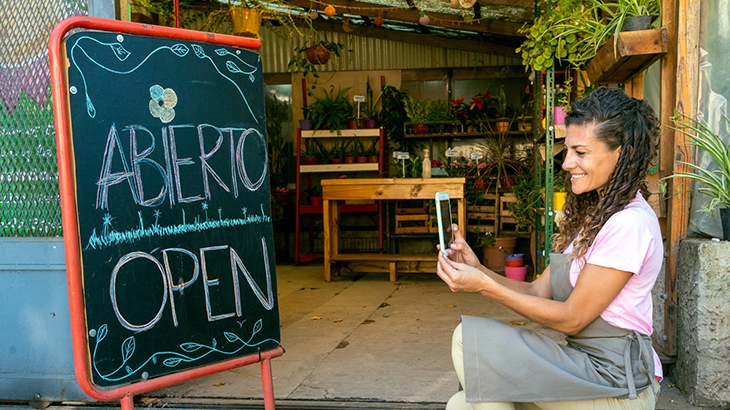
364	53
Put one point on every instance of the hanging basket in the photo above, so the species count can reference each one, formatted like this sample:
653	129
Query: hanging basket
246	22
317	54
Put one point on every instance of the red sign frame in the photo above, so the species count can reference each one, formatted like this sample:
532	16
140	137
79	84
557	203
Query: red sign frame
64	146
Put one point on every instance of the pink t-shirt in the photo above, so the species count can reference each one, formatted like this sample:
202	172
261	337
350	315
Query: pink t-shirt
630	241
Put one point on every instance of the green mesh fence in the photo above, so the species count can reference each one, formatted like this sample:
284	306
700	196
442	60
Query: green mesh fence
29	194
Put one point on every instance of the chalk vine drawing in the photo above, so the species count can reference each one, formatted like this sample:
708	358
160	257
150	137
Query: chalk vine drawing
180	50
110	237
189	352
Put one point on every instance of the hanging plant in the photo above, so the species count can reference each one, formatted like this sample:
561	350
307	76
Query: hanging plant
308	57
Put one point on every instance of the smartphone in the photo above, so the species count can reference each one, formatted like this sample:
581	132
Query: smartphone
443	218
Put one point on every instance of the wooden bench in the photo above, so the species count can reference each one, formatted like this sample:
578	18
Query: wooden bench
391	258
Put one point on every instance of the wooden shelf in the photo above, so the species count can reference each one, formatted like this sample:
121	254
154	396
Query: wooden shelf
369	166
345	133
634	52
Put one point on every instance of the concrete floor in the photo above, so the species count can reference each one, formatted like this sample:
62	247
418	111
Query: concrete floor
359	341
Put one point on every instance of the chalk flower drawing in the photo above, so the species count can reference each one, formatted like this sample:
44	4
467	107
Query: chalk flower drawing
180	50
163	102
171	359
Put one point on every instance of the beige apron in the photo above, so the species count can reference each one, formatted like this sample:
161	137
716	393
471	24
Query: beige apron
511	364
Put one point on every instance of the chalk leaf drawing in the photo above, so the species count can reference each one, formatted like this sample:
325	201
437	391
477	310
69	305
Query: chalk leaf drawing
171	358
181	50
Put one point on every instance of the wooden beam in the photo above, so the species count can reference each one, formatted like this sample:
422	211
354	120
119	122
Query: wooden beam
404	14
619	61
433	40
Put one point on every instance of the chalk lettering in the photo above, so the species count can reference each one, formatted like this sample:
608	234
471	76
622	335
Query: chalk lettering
113	290
170	289
172	174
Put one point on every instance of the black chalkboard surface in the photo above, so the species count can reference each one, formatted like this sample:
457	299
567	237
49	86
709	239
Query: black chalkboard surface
173	201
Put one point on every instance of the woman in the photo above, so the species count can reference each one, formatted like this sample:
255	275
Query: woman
597	289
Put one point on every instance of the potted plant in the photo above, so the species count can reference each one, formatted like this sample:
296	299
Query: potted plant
417	112
310	155
306	122
314	193
372	152
714	178
370	110
393	116
331	110
632	15
576	30
359	151
309	56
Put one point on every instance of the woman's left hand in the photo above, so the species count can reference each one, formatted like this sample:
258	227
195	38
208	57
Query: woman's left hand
461	277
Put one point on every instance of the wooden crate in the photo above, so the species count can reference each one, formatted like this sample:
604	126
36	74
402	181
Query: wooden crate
412	223
433	225
481	218
412	207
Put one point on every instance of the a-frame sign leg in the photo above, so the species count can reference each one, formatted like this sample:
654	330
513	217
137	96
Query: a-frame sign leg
268	384
128	402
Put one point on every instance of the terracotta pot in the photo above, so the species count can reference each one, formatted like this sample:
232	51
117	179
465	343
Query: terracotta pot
310	160
480	183
353	124
246	22
349	159
315	200
502	126
317	54
337	160
419	128
373	158
493	258
362	160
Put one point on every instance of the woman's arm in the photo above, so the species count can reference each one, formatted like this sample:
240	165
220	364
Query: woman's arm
595	289
460	251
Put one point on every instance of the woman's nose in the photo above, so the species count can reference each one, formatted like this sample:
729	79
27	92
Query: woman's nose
568	162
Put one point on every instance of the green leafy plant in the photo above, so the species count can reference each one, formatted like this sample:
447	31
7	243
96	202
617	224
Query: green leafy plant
331	110
314	190
393	115
574	31
370	109
714	182
529	200
416	110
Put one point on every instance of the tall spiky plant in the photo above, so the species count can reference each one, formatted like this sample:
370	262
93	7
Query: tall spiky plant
715	183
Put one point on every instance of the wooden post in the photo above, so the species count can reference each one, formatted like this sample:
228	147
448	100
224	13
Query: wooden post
678	90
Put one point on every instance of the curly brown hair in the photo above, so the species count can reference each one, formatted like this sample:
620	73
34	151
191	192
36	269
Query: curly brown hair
618	121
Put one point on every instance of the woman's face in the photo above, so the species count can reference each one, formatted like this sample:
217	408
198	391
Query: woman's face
588	160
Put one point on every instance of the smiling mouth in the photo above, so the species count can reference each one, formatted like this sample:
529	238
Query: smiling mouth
577	176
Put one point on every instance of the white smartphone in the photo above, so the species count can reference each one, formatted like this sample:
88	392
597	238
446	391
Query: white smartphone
443	219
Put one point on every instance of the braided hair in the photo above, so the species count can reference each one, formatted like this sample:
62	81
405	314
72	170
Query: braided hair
619	121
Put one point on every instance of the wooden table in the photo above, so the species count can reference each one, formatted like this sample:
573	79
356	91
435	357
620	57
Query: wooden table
335	191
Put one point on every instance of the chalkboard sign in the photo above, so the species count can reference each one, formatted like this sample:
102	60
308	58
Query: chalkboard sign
172	189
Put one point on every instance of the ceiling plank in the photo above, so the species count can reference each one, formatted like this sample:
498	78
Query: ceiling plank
447	21
475	46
